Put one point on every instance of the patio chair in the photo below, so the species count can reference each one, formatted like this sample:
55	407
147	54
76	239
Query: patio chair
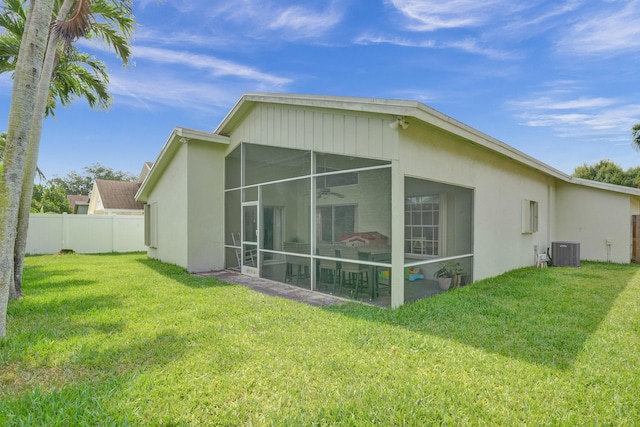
296	266
352	274
250	255
329	269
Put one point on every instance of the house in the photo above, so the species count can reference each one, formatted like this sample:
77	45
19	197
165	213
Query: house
117	197
79	203
272	190
114	198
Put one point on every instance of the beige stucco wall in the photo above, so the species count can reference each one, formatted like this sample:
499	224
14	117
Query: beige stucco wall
95	202
500	185
170	195
205	215
592	216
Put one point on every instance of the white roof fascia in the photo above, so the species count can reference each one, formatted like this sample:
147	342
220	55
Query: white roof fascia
409	109
179	135
395	108
606	186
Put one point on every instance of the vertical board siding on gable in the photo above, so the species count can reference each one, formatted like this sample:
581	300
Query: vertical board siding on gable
318	142
345	133
338	136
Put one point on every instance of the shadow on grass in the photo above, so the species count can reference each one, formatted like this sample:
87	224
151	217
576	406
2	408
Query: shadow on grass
93	385
180	275
542	316
61	317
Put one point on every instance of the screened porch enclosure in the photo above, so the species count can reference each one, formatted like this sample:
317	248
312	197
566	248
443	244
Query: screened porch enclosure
438	232
323	222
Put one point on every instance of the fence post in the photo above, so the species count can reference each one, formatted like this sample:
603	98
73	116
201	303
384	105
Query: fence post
113	232
65	231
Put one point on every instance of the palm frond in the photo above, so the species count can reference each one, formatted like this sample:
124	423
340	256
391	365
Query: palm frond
9	47
76	26
114	40
13	16
79	75
76	74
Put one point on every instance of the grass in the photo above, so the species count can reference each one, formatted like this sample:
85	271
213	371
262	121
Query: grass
124	340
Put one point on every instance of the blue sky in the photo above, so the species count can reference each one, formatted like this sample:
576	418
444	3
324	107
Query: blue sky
558	80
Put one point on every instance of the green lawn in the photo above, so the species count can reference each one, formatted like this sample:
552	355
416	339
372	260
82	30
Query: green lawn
123	340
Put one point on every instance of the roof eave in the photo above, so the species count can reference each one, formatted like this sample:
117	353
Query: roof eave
178	136
606	186
411	109
391	107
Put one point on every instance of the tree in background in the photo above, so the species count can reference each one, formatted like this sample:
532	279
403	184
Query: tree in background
49	199
74	183
635	133
609	172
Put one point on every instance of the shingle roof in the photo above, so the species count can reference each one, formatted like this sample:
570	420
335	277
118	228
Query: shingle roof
76	198
119	194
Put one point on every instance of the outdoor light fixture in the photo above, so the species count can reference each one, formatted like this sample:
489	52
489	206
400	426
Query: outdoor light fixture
399	121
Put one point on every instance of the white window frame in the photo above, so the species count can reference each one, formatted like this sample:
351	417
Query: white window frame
440	238
151	225
530	223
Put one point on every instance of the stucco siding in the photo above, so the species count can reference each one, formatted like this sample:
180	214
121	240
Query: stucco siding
205	172
336	132
500	187
170	199
591	217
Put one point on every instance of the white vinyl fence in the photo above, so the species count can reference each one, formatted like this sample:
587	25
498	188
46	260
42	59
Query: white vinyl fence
88	234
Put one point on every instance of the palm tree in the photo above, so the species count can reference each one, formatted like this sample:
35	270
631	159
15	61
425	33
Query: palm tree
635	133
28	70
75	74
67	73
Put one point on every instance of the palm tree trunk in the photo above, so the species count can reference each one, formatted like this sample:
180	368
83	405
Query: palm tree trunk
31	165
23	95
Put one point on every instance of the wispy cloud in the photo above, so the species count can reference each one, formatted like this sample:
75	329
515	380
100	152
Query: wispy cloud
147	93
611	31
215	66
186	38
366	39
471	45
549	103
257	18
468	45
187	81
531	20
431	15
595	118
304	22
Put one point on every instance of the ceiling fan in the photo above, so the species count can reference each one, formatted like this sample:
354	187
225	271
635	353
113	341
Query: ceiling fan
327	192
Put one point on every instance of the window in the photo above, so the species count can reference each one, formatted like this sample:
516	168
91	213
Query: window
422	225
529	216
151	225
328	181
334	222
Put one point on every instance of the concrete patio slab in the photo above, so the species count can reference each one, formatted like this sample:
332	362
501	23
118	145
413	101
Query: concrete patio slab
278	289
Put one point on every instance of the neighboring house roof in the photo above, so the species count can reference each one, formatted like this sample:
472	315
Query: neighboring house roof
118	194
77	199
146	168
